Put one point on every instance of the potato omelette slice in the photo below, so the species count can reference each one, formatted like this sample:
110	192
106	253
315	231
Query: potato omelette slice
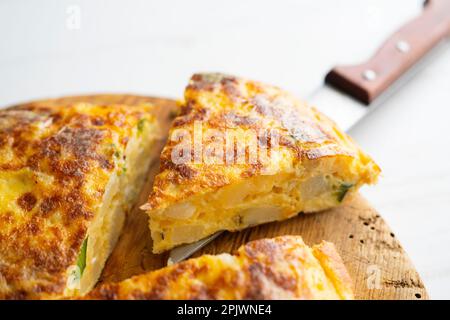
242	153
279	268
69	173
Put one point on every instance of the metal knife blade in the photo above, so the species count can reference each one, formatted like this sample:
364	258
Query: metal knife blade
346	111
185	251
340	107
396	62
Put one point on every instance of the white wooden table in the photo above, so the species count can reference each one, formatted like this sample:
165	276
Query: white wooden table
151	48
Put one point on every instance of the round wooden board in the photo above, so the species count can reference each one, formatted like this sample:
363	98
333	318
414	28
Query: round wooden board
378	265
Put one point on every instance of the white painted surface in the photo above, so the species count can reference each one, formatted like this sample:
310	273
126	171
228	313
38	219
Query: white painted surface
152	47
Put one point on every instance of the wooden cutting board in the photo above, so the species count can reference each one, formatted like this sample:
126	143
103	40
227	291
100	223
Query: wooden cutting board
378	265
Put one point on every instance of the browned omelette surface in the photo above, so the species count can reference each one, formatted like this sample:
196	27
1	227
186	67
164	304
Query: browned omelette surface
55	164
226	102
278	268
243	153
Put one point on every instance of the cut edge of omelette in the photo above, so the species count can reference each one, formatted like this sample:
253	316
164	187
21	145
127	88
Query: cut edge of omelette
314	166
82	166
279	268
123	190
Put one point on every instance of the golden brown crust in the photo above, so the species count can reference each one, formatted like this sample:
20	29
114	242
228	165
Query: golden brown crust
223	102
278	268
334	268
55	162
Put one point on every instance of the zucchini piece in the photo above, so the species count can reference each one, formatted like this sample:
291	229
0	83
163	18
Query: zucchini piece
342	191
141	124
81	260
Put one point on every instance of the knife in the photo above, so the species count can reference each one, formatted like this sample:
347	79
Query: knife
350	92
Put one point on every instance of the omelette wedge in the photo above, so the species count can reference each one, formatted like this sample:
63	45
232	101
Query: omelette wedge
69	173
278	268
243	153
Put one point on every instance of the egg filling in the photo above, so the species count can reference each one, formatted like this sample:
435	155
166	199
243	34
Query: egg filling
121	193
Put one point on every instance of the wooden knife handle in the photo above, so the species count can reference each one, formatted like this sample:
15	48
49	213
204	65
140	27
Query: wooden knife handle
405	47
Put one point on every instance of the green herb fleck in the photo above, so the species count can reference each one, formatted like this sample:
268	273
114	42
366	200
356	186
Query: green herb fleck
342	190
115	150
141	124
81	261
122	171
